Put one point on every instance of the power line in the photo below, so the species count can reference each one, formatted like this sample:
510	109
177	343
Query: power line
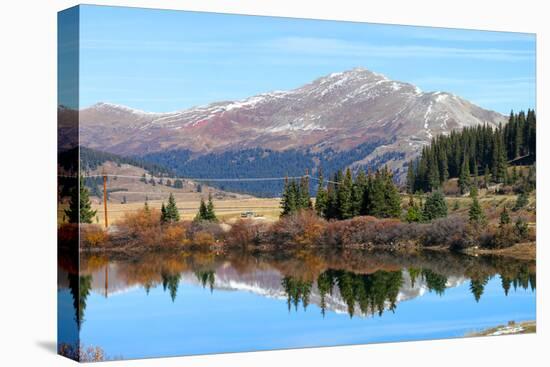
190	178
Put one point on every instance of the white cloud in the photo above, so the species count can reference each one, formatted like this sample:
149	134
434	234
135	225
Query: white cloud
338	47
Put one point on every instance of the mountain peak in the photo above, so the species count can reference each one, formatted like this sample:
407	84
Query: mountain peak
106	106
340	111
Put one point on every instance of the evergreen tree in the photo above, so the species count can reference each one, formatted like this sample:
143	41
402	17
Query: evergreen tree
414	214
304	198
476	174
464	178
392	200
514	177
358	191
332	211
163	217
486	176
435	206
289	198
504	217
521	201
202	214
345	204
475	214
210	213
500	163
482	145
522	229
444	166
381	198
473	191
321	200
80	206
171	213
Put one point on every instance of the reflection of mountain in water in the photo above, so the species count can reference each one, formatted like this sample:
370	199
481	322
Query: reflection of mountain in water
271	283
357	283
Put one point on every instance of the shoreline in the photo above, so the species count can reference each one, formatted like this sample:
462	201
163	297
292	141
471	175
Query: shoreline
512	328
520	251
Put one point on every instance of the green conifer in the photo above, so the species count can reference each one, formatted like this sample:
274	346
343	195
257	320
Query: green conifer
321	200
80	206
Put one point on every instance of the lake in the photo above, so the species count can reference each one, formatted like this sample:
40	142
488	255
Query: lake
170	304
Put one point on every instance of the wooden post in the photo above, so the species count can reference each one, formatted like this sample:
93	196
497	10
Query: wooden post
105	199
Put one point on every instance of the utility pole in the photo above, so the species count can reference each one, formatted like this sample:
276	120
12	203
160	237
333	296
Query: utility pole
107	279
105	199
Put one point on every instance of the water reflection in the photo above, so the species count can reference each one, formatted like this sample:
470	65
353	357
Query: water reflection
353	281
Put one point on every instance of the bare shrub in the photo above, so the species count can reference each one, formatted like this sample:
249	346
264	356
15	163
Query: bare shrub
82	353
444	231
303	228
244	233
369	231
213	228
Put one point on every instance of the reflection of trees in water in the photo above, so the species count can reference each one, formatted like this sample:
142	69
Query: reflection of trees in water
297	291
368	292
366	281
206	277
80	287
377	292
171	282
477	286
435	282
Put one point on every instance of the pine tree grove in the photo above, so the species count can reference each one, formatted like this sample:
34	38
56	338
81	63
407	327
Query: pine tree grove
461	153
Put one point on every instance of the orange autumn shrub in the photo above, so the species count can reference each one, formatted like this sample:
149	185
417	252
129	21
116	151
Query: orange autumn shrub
173	235
143	226
203	239
94	235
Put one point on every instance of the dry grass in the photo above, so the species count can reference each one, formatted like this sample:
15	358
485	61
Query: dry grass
228	210
522	251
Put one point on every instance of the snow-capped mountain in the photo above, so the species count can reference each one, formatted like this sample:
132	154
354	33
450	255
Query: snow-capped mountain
338	111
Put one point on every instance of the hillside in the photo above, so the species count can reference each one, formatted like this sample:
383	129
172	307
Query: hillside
353	118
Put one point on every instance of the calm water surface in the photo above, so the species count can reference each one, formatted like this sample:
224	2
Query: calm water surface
195	303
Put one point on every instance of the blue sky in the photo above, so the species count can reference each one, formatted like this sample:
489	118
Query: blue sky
159	60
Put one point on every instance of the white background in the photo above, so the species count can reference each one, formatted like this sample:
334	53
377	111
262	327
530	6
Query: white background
28	182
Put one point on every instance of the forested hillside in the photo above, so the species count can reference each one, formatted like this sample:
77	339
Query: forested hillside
475	151
90	159
263	163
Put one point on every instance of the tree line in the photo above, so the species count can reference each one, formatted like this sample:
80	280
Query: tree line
345	196
473	151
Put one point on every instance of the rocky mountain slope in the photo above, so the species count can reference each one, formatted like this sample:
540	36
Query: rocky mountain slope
338	112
